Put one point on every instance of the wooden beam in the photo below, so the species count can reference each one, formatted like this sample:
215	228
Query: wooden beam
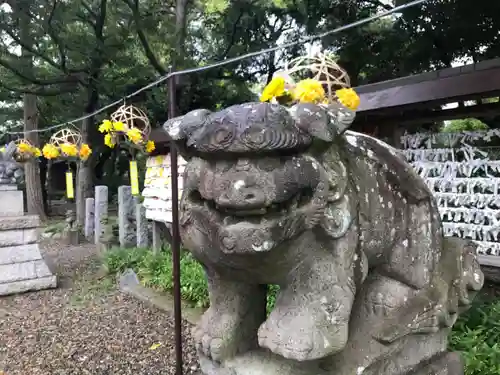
416	117
433	88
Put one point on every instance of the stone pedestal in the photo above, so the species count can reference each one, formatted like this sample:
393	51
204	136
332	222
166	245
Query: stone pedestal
22	267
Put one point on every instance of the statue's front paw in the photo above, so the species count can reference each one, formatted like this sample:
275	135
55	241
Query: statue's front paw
215	336
301	336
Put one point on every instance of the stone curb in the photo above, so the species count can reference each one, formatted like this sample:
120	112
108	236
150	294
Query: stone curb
19	222
129	284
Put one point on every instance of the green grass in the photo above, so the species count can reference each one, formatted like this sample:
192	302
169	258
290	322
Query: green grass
476	334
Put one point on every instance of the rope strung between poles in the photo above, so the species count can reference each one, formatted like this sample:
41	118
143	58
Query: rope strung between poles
222	63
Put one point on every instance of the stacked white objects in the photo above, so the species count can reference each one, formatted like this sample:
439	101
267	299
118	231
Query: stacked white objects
464	181
157	191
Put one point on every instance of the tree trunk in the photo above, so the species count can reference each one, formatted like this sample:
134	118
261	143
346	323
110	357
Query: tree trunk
34	196
85	178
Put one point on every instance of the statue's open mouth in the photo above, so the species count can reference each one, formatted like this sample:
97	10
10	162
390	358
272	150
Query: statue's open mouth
233	214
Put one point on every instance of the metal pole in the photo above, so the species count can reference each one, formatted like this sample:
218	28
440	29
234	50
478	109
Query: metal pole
176	271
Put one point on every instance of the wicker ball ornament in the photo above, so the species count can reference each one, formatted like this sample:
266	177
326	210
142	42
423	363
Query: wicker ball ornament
133	117
323	68
67	135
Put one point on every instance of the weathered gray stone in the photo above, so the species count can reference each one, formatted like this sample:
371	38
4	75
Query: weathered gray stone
142	226
8	187
23	271
126	217
11	171
19	222
352	235
22	267
11	203
100	213
89	218
20	253
18	237
156	234
28	285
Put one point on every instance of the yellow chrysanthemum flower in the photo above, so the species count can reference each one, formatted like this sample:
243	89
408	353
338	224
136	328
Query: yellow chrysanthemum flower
36	152
106	126
134	135
119	126
24	148
69	149
2	149
150	146
273	89
109	140
50	151
85	151
348	98
309	91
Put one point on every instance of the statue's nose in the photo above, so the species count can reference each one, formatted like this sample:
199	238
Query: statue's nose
239	196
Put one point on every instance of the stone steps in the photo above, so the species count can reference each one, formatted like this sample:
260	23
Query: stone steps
22	267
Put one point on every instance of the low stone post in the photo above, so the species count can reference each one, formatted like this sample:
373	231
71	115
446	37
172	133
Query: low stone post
157	241
142	226
126	217
89	218
100	213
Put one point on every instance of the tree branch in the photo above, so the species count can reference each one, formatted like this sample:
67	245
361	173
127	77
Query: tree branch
39	82
233	36
30	49
40	91
153	60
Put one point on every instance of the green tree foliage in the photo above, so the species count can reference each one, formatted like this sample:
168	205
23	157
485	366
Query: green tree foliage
467	124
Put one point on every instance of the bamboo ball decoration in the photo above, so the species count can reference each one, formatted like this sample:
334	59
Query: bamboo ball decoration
133	117
323	69
66	135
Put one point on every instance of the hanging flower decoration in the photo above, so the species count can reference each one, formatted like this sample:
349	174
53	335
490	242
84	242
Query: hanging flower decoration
129	128
328	86
25	151
67	145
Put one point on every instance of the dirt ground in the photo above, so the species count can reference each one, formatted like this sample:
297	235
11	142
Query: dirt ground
85	326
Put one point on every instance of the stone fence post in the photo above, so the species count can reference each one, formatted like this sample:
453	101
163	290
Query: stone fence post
100	213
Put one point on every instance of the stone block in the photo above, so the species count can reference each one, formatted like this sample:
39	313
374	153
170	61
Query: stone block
23	271
11	203
89	218
28	285
142	226
18	237
19	222
100	213
73	237
157	240
7	187
126	217
18	254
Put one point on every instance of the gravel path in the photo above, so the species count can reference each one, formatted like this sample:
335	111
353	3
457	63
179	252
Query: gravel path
86	326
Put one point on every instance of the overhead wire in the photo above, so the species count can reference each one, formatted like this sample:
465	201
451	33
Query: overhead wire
222	63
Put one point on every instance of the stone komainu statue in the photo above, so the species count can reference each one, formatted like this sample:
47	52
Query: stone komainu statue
353	237
11	171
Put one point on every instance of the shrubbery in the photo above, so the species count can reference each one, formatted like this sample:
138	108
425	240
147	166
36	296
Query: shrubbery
476	334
